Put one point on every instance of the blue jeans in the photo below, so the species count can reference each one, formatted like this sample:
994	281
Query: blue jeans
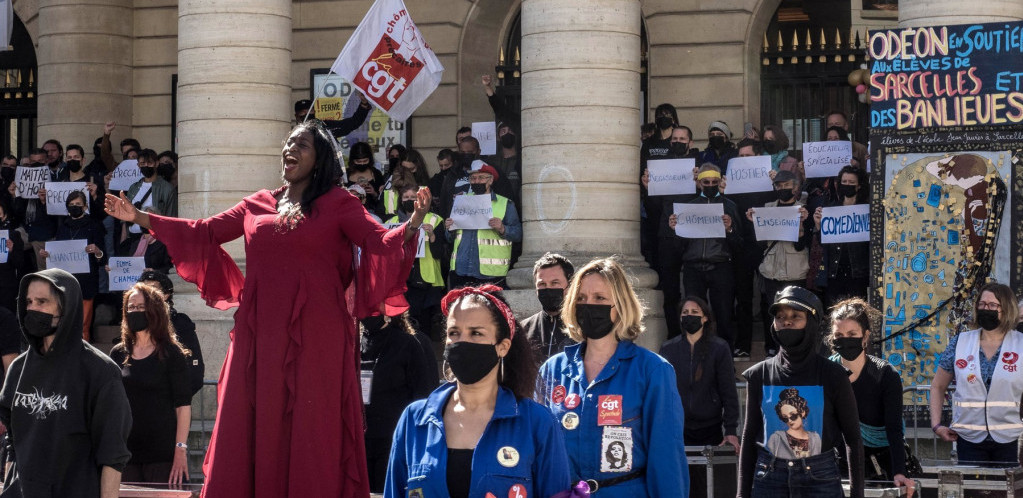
813	477
988	453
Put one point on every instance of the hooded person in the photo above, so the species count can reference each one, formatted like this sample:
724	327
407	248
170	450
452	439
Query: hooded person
800	408
63	401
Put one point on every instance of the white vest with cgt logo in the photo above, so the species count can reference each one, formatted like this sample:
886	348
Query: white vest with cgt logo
976	412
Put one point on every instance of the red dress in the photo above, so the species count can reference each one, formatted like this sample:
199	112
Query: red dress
289	416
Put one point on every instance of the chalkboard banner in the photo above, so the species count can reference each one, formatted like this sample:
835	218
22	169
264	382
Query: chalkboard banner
947	76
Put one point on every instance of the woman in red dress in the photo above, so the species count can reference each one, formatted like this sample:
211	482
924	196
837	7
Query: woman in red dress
289	416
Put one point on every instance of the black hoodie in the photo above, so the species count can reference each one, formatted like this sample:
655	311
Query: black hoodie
66	410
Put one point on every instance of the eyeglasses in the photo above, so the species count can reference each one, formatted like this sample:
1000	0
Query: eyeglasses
985	305
133	307
791	418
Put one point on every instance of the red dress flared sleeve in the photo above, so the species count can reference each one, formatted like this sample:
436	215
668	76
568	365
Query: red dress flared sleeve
194	248
383	268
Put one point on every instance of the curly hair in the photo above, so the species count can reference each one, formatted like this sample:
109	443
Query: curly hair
161	331
790	396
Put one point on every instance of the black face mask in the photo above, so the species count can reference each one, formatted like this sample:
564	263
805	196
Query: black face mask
988	319
848	348
664	122
478	188
710	191
408	206
74	165
550	299
788	338
166	171
136	321
594	320
717	142
75	211
7	174
508	140
147	171
679	149
1019	326
770	147
464	159
393	162
373	323
784	195
847	190
38	324
470	361
691	323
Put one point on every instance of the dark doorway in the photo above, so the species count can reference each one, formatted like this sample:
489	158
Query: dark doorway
807	55
18	75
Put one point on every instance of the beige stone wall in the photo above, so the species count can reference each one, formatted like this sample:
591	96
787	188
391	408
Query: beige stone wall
155	60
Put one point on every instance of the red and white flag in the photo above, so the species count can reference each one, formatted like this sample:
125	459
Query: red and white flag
389	61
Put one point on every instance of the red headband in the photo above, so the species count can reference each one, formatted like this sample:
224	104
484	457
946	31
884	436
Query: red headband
487	291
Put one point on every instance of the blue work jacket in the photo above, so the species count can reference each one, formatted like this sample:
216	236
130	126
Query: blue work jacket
634	403
521	447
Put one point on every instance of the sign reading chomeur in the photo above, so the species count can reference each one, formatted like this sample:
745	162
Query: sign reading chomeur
700	221
388	60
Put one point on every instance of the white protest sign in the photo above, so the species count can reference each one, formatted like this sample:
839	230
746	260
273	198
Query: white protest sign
749	174
125	174
486	133
68	255
471	212
4	237
700	221
776	223
671	176
124	272
421	250
30	180
845	224
57	192
825	159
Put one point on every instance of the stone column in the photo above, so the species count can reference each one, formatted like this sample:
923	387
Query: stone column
234	86
85	69
580	147
939	12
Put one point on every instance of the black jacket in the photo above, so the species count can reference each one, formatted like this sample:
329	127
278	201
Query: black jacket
707	384
546	335
184	327
65	410
703	253
343	127
400	376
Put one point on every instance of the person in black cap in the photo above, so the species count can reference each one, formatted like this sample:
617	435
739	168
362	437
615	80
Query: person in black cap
800	409
339	128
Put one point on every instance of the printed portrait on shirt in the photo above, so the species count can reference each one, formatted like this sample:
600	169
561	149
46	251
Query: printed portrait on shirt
793	420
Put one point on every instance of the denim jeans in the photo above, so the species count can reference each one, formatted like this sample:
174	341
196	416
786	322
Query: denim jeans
813	477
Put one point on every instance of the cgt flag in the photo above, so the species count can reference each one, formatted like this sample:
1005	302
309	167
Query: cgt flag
389	61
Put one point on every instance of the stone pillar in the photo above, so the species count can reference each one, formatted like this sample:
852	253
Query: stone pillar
939	12
85	69
580	147
234	86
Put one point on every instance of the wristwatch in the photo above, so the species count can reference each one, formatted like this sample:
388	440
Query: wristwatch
181	446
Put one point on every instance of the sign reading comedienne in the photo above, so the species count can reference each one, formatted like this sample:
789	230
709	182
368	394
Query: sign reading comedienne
947	76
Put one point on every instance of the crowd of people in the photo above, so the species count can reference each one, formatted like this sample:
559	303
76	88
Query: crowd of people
563	403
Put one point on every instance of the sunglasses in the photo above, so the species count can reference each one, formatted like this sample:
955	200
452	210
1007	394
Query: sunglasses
790	418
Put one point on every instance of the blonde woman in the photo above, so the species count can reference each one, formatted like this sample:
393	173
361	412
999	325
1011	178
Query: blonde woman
611	397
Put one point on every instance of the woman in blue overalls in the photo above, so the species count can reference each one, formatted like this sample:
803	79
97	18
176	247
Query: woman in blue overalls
617	403
481	435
